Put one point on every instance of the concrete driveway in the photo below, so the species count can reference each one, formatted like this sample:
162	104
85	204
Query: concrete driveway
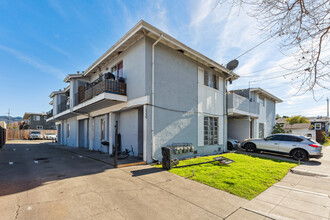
38	181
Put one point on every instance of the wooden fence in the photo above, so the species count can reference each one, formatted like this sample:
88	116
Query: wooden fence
24	134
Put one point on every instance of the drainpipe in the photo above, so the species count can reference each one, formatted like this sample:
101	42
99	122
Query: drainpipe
153	96
250	136
225	117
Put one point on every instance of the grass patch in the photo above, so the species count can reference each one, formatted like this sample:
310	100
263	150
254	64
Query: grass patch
247	177
326	143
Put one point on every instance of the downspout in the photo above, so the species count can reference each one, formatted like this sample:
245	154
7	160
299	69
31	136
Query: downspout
153	96
225	118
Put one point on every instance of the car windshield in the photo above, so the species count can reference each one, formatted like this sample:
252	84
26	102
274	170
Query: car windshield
35	132
50	134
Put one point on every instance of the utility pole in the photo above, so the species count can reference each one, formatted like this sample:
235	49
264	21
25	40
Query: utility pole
328	107
8	117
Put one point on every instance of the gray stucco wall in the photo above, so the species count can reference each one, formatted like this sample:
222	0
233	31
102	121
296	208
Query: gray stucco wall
176	96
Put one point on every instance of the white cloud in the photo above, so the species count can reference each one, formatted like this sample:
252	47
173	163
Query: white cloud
36	63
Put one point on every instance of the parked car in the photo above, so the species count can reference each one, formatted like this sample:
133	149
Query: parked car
298	147
50	136
232	144
35	135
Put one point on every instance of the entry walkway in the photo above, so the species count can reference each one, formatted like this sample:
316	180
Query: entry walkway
102	157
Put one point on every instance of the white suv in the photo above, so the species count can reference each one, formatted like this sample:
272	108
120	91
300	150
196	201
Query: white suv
35	135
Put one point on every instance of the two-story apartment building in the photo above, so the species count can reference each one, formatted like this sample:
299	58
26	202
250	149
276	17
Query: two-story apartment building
251	113
158	91
38	121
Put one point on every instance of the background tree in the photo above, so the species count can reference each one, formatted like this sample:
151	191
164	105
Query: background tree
278	128
302	27
297	119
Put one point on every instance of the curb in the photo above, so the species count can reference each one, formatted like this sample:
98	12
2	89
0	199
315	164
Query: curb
308	173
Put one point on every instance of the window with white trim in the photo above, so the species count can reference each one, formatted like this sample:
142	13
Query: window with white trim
211	80
262	101
211	130
36	117
318	126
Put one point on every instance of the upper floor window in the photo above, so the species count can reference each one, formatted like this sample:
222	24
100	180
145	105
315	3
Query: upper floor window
210	80
317	126
36	117
262	101
117	70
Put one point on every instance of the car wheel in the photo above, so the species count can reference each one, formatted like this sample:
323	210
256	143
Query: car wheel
299	154
250	147
229	146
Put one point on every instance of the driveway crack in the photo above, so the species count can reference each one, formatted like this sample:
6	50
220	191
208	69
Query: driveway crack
18	208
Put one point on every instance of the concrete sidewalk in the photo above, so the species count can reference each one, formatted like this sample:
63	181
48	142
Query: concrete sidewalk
301	194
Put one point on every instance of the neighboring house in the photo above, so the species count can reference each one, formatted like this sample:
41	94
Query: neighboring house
281	121
158	90
251	113
298	126
321	125
38	121
303	129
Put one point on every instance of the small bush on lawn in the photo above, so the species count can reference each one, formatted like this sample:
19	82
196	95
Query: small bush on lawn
247	177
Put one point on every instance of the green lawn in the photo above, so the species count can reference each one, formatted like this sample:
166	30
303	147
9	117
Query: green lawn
247	177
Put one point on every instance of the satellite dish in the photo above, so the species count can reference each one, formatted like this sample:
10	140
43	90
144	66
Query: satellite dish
232	65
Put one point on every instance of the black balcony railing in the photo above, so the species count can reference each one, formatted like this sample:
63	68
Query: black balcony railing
64	105
108	85
49	114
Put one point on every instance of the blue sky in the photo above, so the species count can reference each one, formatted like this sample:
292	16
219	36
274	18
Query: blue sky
43	41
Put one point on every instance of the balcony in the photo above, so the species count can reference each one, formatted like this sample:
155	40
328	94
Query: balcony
64	105
241	106
49	114
100	95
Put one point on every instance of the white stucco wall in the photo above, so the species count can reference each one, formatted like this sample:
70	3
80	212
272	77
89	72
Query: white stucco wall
128	128
97	134
210	103
72	139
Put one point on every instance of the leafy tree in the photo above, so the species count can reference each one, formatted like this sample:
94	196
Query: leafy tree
302	28
297	119
278	128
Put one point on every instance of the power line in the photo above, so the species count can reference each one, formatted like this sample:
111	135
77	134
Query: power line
254	47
